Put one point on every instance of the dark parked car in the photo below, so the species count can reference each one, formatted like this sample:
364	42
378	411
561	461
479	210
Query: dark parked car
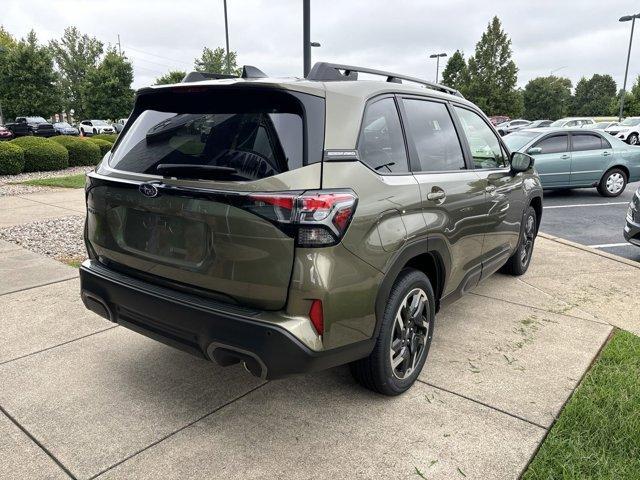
37	126
5	133
64	128
303	231
632	228
539	123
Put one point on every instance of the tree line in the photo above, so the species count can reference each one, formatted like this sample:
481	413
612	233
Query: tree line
489	79
78	73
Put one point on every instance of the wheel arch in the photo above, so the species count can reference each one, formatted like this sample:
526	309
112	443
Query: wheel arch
429	256
536	203
624	168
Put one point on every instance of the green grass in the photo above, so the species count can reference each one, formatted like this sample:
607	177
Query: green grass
71	181
597	435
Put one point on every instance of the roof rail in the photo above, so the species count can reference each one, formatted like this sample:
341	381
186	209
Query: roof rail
333	72
248	71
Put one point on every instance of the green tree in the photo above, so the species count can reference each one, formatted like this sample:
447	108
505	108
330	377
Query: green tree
110	87
547	97
173	76
631	101
455	73
593	97
76	56
215	61
634	107
27	80
493	75
6	39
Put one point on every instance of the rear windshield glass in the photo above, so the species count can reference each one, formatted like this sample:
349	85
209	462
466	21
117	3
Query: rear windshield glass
255	134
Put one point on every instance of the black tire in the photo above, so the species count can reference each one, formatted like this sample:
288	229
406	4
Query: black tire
95	132
612	183
633	139
519	262
376	372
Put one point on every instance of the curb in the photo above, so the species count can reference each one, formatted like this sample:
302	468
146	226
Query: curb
594	251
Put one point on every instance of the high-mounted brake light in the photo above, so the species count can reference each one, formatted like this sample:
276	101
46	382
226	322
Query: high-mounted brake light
322	217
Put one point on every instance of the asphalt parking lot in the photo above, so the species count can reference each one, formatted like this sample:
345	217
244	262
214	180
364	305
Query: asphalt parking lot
585	217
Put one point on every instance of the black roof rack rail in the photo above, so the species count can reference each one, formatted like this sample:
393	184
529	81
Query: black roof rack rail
333	72
248	71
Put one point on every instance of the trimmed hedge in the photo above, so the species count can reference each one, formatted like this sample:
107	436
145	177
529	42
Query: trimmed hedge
109	137
42	154
104	145
81	151
11	159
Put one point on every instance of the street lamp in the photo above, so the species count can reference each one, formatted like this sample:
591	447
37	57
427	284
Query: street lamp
226	34
437	57
626	18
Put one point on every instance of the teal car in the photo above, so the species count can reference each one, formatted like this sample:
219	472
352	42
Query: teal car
579	158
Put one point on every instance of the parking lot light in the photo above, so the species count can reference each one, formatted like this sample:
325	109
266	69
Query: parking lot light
627	18
437	57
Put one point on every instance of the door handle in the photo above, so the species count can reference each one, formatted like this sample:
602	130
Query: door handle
437	195
490	188
565	156
605	154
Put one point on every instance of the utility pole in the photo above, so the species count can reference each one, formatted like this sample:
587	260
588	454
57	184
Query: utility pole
119	46
306	36
437	57
626	18
226	34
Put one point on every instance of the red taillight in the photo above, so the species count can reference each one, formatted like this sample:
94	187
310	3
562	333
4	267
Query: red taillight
322	217
316	316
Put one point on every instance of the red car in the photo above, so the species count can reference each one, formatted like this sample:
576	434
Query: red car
5	133
495	120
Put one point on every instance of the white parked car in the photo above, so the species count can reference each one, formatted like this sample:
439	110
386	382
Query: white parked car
573	122
94	127
628	130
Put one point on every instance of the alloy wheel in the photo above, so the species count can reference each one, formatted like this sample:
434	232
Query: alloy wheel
529	237
409	334
633	140
615	183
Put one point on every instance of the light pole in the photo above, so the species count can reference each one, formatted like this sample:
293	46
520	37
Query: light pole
626	18
226	34
437	57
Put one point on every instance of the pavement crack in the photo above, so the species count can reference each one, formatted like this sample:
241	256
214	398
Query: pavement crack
38	443
513	415
184	427
40	285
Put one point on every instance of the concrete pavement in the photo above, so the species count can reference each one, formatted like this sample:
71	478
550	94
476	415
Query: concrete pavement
19	209
82	398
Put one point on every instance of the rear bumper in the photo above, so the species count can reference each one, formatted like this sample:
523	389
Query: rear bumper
205	328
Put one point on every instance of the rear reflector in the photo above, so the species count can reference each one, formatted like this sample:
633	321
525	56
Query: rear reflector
316	316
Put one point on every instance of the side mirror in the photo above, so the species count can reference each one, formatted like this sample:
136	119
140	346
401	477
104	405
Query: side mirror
534	150
521	162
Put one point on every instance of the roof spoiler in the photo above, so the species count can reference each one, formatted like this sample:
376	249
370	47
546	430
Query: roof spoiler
248	71
334	72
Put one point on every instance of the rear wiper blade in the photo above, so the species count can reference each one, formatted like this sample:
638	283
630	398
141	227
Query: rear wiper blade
187	170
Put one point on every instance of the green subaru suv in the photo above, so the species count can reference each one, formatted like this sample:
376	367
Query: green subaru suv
295	225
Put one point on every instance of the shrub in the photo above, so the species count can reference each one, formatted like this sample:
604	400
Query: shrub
42	154
104	145
11	159
81	151
109	137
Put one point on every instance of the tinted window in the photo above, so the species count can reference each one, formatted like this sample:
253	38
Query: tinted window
484	144
257	134
381	143
555	144
434	136
605	143
585	141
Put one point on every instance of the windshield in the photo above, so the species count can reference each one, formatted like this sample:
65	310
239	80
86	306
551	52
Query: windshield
63	125
558	123
600	125
630	122
253	135
516	140
35	120
99	122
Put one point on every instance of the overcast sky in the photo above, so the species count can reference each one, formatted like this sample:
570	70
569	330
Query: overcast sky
574	38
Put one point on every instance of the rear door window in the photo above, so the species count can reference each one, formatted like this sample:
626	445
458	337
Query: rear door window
257	136
381	143
581	142
434	136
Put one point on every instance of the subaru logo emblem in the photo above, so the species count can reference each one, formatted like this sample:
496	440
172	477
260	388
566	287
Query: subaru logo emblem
148	189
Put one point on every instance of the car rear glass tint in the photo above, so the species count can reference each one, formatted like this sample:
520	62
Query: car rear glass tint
585	141
256	133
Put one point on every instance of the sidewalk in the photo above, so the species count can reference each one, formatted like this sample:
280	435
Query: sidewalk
19	209
83	398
